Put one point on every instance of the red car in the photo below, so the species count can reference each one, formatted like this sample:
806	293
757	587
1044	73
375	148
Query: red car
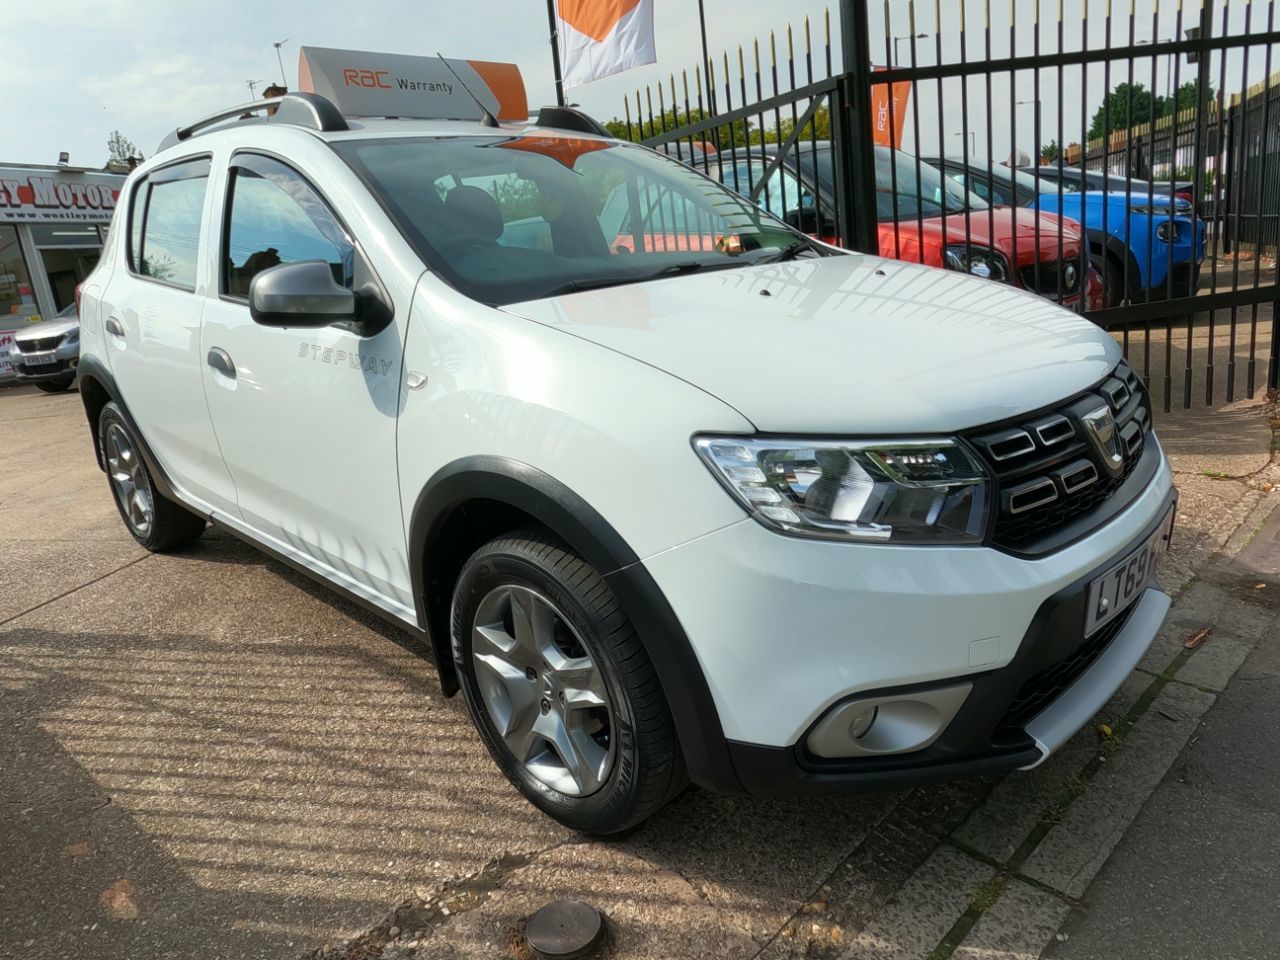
926	218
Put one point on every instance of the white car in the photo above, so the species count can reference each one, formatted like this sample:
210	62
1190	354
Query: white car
689	497
46	353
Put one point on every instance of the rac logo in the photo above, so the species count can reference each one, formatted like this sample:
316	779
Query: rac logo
352	77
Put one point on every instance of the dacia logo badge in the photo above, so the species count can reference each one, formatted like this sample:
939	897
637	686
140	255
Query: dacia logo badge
1100	427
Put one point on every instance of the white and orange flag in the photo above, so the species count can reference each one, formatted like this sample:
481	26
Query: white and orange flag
599	38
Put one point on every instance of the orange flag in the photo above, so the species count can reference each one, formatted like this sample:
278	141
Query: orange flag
599	38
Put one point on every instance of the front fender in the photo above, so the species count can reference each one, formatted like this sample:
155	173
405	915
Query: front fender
502	480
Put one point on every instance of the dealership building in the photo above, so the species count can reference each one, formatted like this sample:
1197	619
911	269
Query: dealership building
53	220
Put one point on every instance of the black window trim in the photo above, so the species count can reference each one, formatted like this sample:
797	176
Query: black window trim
362	260
183	168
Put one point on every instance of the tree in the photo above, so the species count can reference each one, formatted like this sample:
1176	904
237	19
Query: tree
1051	151
120	148
1128	106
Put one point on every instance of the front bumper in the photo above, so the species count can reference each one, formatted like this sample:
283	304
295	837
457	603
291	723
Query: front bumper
66	359
784	629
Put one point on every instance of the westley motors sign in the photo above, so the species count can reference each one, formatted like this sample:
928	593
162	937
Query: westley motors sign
57	196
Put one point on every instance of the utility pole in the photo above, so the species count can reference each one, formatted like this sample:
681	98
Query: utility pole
555	50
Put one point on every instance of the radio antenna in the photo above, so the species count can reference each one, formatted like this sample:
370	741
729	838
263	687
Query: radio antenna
489	119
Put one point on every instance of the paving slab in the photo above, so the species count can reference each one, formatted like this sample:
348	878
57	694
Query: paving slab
652	911
924	910
760	860
1018	802
1215	604
1072	853
1018	927
1197	874
851	898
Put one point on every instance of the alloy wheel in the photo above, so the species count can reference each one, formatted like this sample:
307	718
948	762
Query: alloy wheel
129	480
543	691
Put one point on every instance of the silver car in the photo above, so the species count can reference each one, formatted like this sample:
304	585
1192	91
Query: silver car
47	353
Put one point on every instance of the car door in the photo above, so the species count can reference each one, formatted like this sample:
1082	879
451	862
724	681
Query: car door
306	416
151	323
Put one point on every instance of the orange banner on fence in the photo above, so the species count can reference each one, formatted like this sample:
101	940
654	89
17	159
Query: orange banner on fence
889	111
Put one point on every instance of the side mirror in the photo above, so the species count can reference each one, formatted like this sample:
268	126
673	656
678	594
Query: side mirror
299	295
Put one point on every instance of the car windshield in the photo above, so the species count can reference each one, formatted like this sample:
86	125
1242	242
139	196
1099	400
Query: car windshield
935	196
514	218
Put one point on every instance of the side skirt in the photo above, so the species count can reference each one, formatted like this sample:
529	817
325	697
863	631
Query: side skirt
292	563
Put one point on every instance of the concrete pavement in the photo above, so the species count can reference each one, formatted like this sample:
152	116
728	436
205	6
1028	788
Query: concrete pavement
204	754
1198	874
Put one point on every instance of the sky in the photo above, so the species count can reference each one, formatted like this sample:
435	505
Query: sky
74	70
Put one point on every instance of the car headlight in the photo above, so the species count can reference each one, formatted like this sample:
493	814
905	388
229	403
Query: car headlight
72	337
887	491
979	261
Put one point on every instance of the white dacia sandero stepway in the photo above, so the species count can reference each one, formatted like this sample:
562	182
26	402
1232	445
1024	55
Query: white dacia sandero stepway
674	492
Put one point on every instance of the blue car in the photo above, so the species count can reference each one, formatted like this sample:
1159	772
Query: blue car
1146	246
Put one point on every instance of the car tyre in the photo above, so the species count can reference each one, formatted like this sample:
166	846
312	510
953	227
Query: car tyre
560	687
1112	280
155	521
56	386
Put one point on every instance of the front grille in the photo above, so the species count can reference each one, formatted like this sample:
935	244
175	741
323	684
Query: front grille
38	343
1044	278
1051	469
1043	688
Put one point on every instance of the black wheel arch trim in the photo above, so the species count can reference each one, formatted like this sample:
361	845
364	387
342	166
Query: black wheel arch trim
548	501
92	369
1117	248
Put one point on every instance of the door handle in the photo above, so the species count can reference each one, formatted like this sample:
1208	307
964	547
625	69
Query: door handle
113	327
220	360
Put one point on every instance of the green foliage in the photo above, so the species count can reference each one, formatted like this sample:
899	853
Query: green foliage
1051	151
740	133
1129	106
517	198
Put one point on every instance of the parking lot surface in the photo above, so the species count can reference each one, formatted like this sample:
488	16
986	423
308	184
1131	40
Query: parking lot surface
202	754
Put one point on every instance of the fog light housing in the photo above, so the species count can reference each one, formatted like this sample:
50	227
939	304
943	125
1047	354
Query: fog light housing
892	723
861	723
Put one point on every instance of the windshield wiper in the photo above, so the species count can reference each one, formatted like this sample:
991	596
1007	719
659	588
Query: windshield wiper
790	251
595	283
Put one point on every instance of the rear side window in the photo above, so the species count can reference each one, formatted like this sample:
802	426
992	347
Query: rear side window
164	227
275	216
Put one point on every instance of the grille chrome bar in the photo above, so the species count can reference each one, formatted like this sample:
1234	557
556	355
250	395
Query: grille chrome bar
1047	474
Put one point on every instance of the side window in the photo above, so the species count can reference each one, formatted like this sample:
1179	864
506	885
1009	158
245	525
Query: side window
275	217
165	223
996	194
782	195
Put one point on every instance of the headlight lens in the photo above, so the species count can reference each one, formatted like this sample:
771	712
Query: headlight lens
907	491
979	261
72	337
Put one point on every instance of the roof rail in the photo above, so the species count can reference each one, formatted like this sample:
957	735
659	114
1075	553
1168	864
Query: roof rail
300	109
567	118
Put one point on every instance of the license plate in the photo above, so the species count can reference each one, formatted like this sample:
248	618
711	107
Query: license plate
1111	593
37	359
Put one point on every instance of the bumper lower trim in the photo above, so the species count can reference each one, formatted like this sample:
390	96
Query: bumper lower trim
1059	721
